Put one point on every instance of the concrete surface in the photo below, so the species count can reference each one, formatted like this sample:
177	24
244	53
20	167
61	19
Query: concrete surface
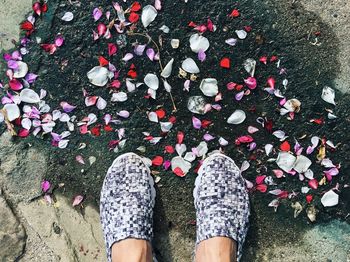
336	14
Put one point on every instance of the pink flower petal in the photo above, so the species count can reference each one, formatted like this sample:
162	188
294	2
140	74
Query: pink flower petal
80	159
67	107
158	5
202	55
77	200
97	13
91	100
150	53
239	96
208	137
250	82
59	40
123	114
197	124
260	179
139	49
112	49
278	173
127	57
252	129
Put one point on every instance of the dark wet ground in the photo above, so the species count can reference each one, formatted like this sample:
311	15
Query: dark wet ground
282	30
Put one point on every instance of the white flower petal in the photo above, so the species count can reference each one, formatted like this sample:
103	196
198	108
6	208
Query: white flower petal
12	111
328	95
21	71
167	69
190	66
209	87
29	96
237	117
152	81
285	161
99	75
198	42
68	16
149	13
330	199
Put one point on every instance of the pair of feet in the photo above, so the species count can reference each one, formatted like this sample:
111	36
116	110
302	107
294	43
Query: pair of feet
220	198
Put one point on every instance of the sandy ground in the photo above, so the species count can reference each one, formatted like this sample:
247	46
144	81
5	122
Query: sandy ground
61	233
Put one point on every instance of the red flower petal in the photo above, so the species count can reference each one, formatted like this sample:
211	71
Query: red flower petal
169	149
225	63
172	119
268	125
234	13
103	61
192	24
263	59
309	198
178	171
262	188
112	49
248	28
285	146
283	194
108	128
133	18
135	7
15	84
160	113
96	131
206	123
260	179
157	161
37	8
27	26
23	133
180	137
273	58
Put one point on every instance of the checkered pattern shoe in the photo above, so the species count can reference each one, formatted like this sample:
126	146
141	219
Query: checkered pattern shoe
127	201
221	201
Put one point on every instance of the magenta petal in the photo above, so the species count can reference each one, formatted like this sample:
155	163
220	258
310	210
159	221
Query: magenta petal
166	164
45	186
97	13
67	107
197	124
250	82
91	100
7	57
15	85
202	55
59	40
56	137
30	78
150	53
12	64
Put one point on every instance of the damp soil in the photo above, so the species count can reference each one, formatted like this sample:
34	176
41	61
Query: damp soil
278	28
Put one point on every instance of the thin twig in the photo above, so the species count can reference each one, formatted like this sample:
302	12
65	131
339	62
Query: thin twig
159	60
